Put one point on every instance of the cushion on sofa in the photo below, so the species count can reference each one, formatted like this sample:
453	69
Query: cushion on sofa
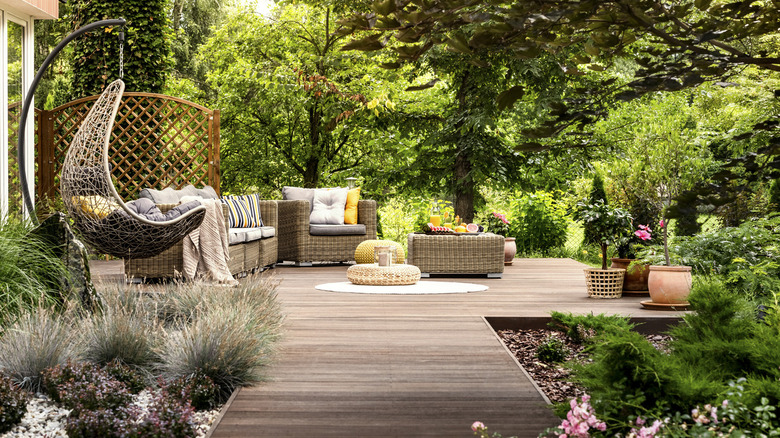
169	195
146	208
336	230
351	210
245	235
244	211
298	194
329	205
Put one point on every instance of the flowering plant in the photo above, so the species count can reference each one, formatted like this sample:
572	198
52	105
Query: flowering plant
626	245
497	223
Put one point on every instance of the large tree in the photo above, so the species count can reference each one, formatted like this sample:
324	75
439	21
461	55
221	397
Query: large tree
671	45
296	110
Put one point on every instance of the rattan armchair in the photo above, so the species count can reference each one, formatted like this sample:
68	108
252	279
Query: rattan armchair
297	244
244	257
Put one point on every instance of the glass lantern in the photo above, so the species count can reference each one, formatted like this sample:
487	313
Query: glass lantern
383	255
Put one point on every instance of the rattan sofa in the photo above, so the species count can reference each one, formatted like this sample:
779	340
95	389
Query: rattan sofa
299	245
244	257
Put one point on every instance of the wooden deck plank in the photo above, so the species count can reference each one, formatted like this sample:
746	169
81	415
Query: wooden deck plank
407	365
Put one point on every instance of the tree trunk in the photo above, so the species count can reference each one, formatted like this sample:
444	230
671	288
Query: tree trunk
311	173
464	191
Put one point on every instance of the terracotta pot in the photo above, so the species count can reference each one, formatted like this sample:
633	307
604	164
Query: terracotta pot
510	249
669	284
636	277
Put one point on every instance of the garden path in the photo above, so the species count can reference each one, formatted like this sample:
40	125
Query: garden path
407	365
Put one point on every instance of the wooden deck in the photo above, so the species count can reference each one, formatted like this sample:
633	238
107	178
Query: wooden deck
363	365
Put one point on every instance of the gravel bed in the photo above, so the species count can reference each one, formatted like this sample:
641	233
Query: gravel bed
46	419
554	379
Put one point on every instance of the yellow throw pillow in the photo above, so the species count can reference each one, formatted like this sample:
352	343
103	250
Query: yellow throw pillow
351	210
96	207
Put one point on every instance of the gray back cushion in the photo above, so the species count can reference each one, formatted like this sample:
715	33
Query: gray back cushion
329	206
299	194
170	196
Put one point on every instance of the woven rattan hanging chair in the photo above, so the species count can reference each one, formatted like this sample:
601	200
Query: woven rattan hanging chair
98	212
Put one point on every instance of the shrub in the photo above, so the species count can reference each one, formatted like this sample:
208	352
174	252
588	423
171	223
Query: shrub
722	340
227	344
538	223
13	404
35	342
121	331
552	350
97	391
101	423
198	388
134	382
29	272
179	303
582	328
745	256
167	417
55	377
597	193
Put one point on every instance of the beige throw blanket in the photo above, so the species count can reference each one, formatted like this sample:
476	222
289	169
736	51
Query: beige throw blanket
205	250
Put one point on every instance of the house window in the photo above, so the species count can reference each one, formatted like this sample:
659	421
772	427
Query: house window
14	59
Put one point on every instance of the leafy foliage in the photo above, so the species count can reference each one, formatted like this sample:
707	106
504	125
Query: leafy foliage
552	350
538	223
584	328
197	388
597	193
29	272
720	342
13	404
744	256
606	224
147	61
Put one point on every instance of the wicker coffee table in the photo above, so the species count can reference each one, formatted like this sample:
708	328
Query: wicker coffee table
457	253
393	275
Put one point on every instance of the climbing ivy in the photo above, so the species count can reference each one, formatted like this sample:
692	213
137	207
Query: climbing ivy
147	57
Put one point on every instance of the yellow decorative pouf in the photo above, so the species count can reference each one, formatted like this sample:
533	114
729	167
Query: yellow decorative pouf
393	275
364	253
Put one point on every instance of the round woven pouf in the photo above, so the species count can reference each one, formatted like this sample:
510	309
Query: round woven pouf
375	275
364	253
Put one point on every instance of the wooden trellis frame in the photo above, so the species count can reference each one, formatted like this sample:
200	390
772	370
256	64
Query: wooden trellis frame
158	141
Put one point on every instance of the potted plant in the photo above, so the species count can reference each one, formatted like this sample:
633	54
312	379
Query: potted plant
669	285
635	280
607	225
497	223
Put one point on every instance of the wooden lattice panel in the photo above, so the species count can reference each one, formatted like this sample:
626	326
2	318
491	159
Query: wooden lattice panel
158	141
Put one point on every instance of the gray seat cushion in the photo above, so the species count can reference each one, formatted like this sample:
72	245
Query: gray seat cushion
245	235
336	230
147	209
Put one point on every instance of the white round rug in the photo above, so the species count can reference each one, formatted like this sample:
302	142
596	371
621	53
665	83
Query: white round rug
421	287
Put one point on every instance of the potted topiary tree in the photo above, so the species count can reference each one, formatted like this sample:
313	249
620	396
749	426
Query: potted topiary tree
607	225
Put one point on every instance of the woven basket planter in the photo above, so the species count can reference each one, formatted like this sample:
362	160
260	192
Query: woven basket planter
605	283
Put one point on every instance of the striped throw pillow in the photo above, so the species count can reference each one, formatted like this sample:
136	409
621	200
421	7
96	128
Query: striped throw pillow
244	210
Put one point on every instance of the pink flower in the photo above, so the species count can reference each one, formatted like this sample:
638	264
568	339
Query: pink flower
646	228
662	223
642	234
477	426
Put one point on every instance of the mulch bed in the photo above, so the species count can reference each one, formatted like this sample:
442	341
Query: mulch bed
553	378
